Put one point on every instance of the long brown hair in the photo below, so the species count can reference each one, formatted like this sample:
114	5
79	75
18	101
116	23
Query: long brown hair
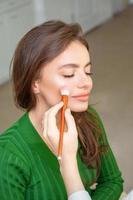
40	46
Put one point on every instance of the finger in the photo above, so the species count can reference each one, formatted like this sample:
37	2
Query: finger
45	136
70	121
51	120
55	107
45	118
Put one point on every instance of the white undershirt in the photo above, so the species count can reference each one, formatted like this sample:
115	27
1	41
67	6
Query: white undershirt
80	195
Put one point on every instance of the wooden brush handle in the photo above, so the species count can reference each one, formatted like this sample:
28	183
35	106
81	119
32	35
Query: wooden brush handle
62	125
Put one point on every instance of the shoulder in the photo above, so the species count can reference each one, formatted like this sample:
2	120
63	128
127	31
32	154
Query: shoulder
12	162
12	143
9	135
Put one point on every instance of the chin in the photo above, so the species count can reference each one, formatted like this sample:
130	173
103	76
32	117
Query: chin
79	108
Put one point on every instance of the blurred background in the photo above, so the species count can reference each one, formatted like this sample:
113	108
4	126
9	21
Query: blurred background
108	25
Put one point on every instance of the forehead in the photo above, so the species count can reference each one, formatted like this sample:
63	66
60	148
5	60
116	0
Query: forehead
76	53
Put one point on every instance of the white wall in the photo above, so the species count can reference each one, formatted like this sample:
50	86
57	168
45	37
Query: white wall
92	14
118	5
130	1
17	17
87	12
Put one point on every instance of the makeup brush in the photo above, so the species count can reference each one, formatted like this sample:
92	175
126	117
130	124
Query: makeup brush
64	94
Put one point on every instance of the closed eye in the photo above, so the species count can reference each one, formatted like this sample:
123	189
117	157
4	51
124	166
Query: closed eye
68	76
72	75
90	74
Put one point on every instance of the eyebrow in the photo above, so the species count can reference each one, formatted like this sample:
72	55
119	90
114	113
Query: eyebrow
74	65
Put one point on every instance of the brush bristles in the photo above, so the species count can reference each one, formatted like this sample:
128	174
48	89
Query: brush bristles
65	92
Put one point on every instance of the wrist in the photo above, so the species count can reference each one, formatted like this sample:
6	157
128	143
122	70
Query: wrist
70	173
67	161
69	169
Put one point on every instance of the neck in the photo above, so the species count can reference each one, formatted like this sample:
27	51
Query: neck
36	119
36	116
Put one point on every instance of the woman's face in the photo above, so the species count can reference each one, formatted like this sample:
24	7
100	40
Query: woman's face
70	70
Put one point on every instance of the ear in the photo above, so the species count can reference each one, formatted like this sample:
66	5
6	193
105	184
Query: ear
35	87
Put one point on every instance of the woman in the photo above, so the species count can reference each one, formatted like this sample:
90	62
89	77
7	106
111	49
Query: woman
48	58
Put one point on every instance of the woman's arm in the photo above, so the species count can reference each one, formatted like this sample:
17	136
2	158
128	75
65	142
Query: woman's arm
74	186
110	182
68	162
70	174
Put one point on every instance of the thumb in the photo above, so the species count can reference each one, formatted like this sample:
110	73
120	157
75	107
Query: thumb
70	121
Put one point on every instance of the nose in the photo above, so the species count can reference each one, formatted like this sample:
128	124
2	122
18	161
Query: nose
84	81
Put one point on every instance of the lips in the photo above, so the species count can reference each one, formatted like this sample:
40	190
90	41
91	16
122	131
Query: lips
83	97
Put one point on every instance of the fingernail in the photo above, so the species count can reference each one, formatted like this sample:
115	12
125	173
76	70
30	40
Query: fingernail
62	103
68	109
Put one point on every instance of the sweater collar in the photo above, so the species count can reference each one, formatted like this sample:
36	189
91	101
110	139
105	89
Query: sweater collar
34	140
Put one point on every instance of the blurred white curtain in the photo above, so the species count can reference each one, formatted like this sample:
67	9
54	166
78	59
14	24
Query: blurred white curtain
39	11
130	1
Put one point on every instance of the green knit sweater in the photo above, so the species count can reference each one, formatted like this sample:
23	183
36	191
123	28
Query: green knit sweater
30	171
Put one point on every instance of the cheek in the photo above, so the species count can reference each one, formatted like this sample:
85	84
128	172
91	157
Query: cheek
80	106
50	89
63	84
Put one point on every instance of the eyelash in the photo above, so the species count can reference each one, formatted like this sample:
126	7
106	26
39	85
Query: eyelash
70	76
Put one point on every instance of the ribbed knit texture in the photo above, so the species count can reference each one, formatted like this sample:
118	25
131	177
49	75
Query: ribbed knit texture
30	171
